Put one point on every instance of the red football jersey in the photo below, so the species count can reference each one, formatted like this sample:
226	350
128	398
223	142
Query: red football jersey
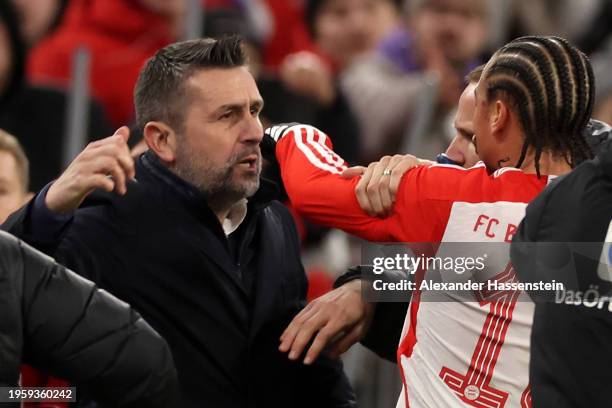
452	352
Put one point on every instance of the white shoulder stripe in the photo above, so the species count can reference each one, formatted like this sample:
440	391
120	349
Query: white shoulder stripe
277	131
319	145
307	150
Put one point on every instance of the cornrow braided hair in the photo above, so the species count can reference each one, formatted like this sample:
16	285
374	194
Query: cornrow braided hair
551	85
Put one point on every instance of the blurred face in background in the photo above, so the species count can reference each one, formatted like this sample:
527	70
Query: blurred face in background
36	17
457	27
344	29
12	192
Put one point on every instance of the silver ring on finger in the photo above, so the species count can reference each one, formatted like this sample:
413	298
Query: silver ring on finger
386	172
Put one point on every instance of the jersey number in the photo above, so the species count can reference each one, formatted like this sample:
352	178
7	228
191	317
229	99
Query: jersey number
473	387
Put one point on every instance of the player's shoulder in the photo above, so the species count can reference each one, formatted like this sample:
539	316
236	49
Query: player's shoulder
446	173
446	182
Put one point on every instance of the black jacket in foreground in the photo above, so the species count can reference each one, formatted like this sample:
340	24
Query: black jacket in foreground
162	249
562	237
57	321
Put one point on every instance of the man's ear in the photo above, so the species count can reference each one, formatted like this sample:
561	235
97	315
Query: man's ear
161	138
499	119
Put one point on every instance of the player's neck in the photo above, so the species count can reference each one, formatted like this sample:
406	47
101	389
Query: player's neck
549	164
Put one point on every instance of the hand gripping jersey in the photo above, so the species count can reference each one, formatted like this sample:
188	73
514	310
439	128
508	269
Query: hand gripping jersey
452	353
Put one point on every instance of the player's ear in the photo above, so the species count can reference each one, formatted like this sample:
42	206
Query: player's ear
499	119
161	138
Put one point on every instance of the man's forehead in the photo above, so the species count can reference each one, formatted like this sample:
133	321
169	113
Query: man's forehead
465	108
221	86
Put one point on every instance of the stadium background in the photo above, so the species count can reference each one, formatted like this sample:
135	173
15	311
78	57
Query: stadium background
380	76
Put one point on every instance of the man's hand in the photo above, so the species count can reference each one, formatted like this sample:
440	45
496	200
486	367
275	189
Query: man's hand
104	164
377	189
337	319
307	74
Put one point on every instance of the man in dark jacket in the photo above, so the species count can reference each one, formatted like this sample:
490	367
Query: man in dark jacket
58	321
195	242
566	236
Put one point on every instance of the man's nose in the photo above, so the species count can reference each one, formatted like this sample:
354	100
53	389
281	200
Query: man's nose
455	152
254	131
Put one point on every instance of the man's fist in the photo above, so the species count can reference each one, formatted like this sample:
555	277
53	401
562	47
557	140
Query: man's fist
105	164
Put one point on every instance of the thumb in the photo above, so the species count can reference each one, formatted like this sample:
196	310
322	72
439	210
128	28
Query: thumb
353	172
124	132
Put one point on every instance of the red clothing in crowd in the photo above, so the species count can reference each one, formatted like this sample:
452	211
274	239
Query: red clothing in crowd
290	32
31	377
121	35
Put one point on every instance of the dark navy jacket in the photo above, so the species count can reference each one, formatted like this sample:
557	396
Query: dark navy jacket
162	249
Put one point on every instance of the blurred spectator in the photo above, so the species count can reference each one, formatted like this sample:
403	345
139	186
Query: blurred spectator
120	34
38	17
599	30
601	67
598	39
342	30
440	38
569	19
288	34
345	29
13	175
35	114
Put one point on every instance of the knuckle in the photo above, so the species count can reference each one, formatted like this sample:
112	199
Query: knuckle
308	326
396	172
299	319
324	334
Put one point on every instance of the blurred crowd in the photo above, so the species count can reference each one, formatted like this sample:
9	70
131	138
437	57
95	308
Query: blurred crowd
379	76
372	73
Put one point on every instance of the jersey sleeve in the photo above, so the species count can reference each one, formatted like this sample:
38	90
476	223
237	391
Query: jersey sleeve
311	175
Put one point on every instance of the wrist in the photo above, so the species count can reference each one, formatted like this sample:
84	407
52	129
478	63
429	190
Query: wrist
53	203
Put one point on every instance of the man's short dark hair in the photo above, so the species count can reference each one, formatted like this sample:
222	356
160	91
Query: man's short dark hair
160	93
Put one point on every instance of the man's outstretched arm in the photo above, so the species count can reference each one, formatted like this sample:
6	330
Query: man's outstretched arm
311	174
